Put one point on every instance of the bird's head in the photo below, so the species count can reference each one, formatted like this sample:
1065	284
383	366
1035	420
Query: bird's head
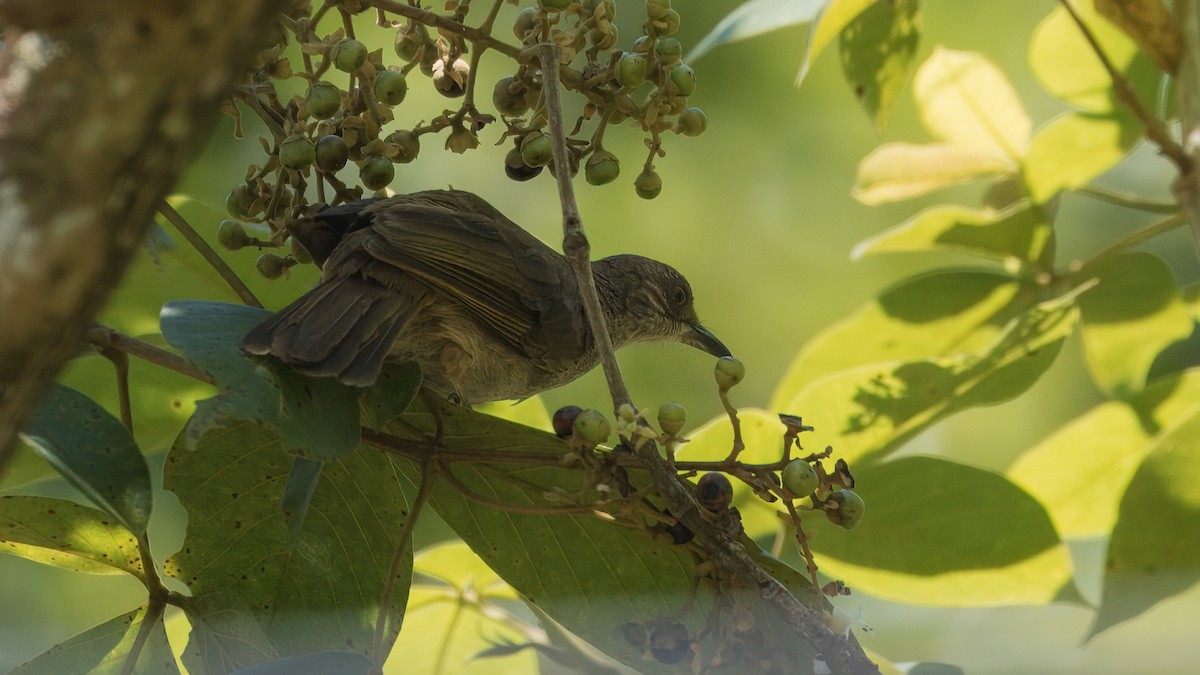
645	301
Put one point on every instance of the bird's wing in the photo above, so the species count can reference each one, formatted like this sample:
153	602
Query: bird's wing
506	279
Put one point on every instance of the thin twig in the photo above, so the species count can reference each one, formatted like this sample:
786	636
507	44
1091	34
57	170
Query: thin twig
120	361
217	262
159	596
105	337
1135	237
478	36
1129	201
1187	187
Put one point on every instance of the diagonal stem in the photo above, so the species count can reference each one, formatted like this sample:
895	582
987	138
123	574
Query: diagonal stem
218	263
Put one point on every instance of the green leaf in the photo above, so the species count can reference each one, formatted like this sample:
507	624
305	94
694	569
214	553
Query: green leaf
1073	148
1067	66
91	449
837	15
455	564
897	171
103	650
965	100
531	412
225	635
756	17
317	590
874	409
1081	470
1017	235
1150	24
298	493
940	533
326	663
64	534
1154	552
877	50
318	417
1129	318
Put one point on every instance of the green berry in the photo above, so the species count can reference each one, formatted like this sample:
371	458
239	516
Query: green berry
671	418
800	478
240	200
297	153
564	420
508	99
591	426
844	508
348	55
232	235
527	21
408	143
271	266
647	184
729	371
670	23
657	9
332	153
407	45
691	122
537	149
714	491
684	80
377	173
602	168
554	5
516	169
324	100
631	69
390	87
669	50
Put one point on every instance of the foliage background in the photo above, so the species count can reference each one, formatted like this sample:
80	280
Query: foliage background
757	214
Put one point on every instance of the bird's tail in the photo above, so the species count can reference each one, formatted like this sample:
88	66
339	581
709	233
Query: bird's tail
342	328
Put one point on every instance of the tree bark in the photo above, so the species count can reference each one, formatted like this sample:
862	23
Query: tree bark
102	104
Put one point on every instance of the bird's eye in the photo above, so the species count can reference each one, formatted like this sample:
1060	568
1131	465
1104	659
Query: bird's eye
679	296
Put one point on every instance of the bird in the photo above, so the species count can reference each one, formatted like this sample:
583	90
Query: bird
488	311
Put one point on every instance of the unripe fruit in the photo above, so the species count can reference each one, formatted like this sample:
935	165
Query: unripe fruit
670	21
232	235
554	5
347	55
271	266
297	153
684	80
647	184
536	149
509	100
671	418
240	200
591	426
641	45
602	168
631	69
714	491
847	508
800	478
390	87
564	420
408	143
324	100
377	173
450	79
691	122
526	22
515	168
332	153
669	50
407	45
657	9
728	372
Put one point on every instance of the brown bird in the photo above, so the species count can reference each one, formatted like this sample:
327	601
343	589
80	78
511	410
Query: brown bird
487	310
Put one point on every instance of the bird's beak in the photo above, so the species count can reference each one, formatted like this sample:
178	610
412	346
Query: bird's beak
700	338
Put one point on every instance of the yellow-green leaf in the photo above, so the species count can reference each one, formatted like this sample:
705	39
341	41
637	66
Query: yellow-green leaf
965	100
837	15
64	534
1073	148
1015	235
897	171
877	50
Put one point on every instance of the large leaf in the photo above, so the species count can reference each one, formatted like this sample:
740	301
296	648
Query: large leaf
1072	149
91	449
104	649
1015	236
1129	318
756	17
317	417
64	534
1155	548
877	50
897	171
312	590
1081	470
837	15
965	100
940	533
326	663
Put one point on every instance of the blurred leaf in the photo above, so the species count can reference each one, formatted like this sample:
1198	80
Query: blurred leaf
837	15
1150	24
95	453
318	590
103	650
1129	318
897	171
298	493
325	663
940	533
965	100
454	563
64	534
877	50
531	412
880	406
589	575
224	635
318	417
1067	66
928	315
1015	235
1073	148
1081	470
756	17
1154	552
396	387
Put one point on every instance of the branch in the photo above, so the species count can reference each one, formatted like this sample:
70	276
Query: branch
107	338
218	263
1187	186
479	36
